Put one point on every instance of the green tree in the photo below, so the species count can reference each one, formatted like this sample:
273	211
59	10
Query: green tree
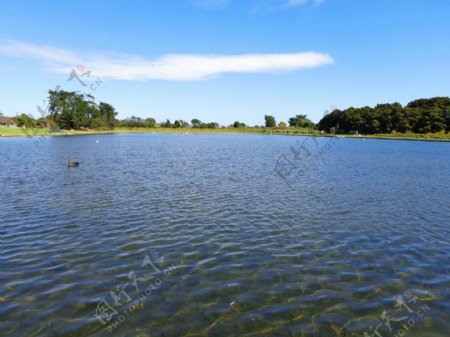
166	124
71	110
300	121
239	125
150	122
196	123
282	125
108	113
41	122
419	116
25	121
133	122
270	121
447	117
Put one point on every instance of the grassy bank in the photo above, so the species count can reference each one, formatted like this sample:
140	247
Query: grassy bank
220	130
36	132
19	132
410	136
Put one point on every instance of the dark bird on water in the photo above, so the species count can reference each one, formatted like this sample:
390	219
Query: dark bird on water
72	163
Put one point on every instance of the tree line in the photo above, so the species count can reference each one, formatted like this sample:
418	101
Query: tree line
72	110
419	116
138	122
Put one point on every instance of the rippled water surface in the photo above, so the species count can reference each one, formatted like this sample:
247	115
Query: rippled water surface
198	235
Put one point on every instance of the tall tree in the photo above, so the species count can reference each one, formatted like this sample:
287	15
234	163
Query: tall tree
71	110
270	121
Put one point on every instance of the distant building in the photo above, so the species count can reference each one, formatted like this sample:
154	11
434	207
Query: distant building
5	121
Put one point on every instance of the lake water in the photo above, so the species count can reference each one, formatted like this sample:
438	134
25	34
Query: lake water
224	235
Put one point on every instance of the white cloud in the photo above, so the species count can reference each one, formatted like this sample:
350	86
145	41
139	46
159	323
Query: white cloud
172	67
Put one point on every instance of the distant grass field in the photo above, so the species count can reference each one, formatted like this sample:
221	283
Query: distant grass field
189	130
36	132
412	136
17	132
218	130
20	132
290	131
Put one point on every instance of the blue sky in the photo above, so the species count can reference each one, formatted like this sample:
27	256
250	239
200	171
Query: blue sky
225	60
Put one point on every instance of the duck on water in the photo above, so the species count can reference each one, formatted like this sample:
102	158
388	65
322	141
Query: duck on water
72	163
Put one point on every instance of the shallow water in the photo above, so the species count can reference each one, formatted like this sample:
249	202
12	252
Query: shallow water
204	235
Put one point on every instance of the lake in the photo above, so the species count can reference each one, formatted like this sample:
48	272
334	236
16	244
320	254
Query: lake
224	235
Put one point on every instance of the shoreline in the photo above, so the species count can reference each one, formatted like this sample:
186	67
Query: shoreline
276	132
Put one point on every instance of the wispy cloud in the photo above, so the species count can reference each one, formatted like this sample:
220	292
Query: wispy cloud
172	67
